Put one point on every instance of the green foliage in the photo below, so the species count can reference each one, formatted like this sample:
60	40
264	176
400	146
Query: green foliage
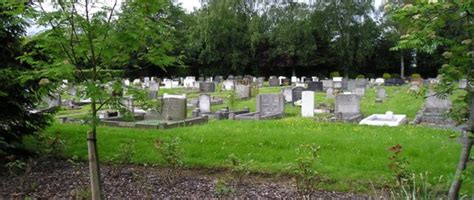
386	76
172	155
334	74
125	153
394	75
221	189
303	168
418	187
239	169
415	76
18	95
360	76
398	164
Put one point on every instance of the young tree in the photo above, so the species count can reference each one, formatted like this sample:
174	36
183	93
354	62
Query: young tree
88	39
446	26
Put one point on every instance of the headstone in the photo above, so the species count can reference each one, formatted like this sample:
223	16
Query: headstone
379	81
280	80
228	85
314	78
218	79
307	104
274	82
351	85
327	84
204	103
359	91
153	89
347	104
242	91
270	104
315	86
288	94
381	94
360	82
260	81
207	87
436	104
337	82
296	93
294	79
129	105
174	107
330	93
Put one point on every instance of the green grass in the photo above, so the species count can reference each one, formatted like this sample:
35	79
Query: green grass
352	156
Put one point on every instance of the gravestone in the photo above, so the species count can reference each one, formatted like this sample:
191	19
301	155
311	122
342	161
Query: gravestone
129	104
228	85
204	103
307	104
351	85
207	87
218	79
285	82
379	81
330	93
360	82
315	79
174	107
463	83
337	82
274	82
270	104
348	107
260	81
294	79
288	94
315	86
359	91
380	94
296	93
327	84
153	90
231	77
242	91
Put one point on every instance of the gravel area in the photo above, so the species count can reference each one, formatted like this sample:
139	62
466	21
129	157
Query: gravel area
63	179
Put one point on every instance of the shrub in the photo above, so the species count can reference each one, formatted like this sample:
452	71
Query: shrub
334	74
172	155
360	76
304	168
395	75
416	76
386	76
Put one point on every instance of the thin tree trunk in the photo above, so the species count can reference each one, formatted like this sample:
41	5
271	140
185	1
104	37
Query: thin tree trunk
402	66
467	141
94	168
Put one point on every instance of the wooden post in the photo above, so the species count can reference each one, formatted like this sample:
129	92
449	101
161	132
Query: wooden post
94	170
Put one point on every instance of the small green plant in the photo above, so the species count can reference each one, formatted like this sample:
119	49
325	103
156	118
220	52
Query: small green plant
360	76
418	187
398	164
334	74
231	100
125	153
255	90
239	169
395	75
16	167
172	155
416	77
222	189
303	168
386	76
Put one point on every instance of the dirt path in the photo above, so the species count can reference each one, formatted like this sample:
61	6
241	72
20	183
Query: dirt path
62	179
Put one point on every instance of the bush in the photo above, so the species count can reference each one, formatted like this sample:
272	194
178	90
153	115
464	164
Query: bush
334	74
360	76
386	76
395	75
416	76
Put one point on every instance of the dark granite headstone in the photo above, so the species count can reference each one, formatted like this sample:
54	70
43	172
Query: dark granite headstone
207	87
296	93
315	86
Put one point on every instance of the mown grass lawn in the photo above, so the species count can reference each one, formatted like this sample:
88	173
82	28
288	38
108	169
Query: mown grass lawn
352	157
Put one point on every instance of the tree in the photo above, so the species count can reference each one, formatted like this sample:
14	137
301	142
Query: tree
447	26
18	96
88	39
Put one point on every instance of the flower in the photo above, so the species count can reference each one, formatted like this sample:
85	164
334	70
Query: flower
466	42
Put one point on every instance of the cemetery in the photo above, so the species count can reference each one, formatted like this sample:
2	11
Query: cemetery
157	101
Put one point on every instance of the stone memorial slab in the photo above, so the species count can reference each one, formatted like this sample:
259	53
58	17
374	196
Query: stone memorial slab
242	91
207	87
387	119
327	84
381	95
329	93
359	91
315	86
307	104
288	94
270	104
174	108
274	82
204	103
228	85
296	93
